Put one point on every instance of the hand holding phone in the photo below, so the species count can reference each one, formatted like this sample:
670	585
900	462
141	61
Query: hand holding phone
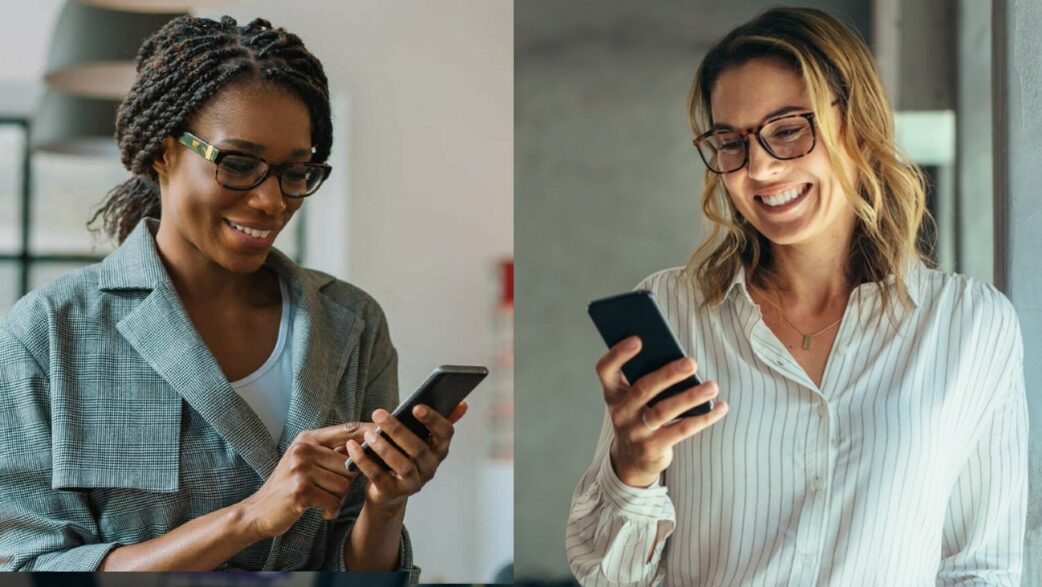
653	397
638	314
442	391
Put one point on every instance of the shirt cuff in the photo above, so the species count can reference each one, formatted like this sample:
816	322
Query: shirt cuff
404	565
651	503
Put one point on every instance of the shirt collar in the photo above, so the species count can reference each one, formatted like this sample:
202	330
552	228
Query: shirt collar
914	274
739	286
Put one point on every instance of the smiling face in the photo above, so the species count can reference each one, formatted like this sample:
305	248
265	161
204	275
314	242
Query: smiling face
791	202
202	221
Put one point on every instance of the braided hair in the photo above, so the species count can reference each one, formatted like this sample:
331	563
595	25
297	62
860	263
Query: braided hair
179	69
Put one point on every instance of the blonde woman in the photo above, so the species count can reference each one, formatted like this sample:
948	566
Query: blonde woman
871	427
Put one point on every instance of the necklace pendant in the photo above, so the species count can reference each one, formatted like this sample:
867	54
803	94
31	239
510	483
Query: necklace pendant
806	342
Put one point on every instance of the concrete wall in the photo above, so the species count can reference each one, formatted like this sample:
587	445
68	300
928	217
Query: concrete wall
1018	149
976	250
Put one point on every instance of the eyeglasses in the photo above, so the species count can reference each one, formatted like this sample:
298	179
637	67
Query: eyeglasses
236	170
787	137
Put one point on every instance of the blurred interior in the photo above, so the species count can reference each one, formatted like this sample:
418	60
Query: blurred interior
418	211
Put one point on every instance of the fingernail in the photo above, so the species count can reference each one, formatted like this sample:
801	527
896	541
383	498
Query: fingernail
421	411
379	416
370	437
632	342
687	365
350	426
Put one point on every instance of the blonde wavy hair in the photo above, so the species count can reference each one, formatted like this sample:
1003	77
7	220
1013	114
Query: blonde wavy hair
887	192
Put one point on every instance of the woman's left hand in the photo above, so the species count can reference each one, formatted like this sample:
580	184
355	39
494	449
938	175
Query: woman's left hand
412	464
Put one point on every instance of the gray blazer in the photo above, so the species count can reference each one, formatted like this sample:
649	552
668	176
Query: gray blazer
117	425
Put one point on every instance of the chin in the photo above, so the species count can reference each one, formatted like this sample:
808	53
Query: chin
793	231
782	240
241	264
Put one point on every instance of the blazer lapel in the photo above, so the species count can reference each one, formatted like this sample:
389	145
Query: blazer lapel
324	335
160	331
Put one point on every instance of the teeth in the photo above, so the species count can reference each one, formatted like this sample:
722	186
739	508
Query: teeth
782	197
250	231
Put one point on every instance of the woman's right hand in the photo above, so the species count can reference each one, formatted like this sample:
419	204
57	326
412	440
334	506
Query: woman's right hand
643	446
311	474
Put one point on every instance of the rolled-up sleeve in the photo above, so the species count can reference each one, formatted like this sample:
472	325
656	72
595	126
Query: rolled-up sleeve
613	527
41	529
985	523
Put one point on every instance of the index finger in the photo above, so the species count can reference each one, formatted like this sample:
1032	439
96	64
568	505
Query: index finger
609	367
441	427
337	434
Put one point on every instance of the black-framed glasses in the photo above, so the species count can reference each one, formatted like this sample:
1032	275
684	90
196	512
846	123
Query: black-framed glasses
237	170
791	136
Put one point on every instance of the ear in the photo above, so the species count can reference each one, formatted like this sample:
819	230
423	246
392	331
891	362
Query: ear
166	159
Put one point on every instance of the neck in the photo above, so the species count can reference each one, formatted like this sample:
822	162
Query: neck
198	279
814	274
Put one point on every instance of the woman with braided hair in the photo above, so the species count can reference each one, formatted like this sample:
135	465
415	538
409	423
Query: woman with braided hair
189	402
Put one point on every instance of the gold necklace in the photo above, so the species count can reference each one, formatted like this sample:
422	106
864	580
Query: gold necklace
808	339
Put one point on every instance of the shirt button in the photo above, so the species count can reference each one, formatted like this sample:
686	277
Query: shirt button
823	410
807	560
815	484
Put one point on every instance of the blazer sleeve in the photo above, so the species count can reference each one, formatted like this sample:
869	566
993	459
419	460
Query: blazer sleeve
41	529
616	533
983	538
381	391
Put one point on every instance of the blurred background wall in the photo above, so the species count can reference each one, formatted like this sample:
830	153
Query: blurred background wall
608	187
1018	211
418	212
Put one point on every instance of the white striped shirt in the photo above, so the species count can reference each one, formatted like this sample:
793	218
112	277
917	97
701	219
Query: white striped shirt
908	466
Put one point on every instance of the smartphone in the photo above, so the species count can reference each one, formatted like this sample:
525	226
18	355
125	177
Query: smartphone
443	390
638	313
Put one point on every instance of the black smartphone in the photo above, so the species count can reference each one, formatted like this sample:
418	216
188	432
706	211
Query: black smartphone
637	313
443	390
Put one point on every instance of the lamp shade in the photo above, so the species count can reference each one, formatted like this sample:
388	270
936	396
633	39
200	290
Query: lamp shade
74	125
93	49
156	5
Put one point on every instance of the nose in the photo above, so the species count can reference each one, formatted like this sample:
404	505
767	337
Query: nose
761	164
267	196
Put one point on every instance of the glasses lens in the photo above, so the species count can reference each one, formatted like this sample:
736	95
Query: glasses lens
236	171
723	151
302	179
789	138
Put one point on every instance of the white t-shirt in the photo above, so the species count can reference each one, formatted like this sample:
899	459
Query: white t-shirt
267	390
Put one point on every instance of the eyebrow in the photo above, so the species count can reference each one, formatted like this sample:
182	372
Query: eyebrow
779	112
261	148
